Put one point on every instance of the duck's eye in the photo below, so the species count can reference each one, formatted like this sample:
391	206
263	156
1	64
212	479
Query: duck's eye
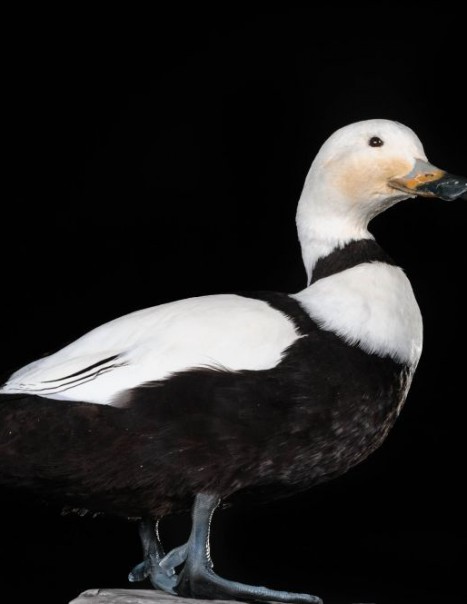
375	141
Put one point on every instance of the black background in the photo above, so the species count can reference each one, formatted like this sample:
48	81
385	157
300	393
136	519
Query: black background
155	156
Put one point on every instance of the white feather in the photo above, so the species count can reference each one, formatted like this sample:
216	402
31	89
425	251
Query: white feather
226	331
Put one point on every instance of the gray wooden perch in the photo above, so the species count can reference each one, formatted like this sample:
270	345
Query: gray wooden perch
140	596
132	596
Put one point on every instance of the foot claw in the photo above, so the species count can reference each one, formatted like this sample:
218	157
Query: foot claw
139	572
161	577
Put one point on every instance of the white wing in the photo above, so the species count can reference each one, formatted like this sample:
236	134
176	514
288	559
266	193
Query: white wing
226	331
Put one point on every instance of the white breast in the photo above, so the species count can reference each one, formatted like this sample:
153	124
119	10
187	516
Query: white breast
372	305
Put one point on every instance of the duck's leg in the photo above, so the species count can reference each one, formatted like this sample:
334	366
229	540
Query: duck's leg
153	554
197	578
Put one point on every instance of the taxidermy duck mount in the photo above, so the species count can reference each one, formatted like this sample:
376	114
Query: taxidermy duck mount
185	404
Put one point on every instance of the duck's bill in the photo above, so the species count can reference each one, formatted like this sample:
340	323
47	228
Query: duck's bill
428	181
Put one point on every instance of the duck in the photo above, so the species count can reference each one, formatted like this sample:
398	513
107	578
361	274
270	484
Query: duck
192	403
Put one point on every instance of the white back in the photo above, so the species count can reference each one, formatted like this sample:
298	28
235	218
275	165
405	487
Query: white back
224	331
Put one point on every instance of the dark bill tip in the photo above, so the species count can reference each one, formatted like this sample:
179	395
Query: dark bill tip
448	187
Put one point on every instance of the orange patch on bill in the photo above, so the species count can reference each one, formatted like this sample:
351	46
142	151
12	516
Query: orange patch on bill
422	178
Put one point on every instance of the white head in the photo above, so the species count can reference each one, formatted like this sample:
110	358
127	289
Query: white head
360	171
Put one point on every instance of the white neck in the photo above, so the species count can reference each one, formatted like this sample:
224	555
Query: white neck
324	223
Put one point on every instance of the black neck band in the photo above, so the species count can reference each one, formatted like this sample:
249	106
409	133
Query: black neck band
351	254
